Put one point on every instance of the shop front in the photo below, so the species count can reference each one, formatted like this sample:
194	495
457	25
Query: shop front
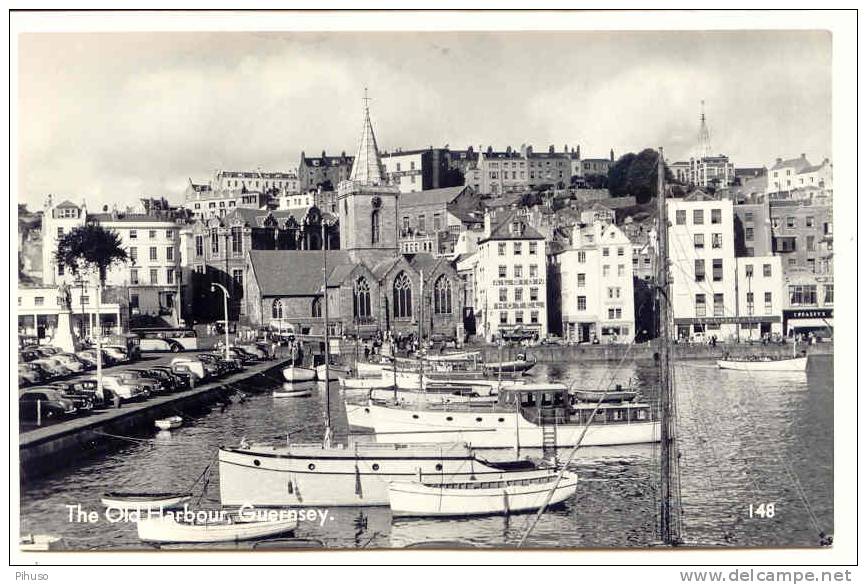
726	328
819	322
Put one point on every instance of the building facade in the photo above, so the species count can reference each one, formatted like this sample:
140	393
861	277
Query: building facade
324	171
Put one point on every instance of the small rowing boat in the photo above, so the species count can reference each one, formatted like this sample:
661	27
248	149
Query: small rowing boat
211	526
335	372
145	500
481	497
292	391
516	366
166	424
764	364
295	374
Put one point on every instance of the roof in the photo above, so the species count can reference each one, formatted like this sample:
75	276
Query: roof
431	196
367	166
798	163
67	203
327	161
289	273
504	230
130	218
811	169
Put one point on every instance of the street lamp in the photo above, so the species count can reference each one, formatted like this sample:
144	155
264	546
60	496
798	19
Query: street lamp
225	313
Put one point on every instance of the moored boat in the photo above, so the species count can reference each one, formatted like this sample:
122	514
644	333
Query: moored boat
764	364
166	424
295	374
594	396
211	526
292	391
335	372
516	366
39	543
365	383
145	500
481	496
444	395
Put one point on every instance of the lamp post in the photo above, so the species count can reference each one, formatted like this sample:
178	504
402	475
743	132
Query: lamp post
225	313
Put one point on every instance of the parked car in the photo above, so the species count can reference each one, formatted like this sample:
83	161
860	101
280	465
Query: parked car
44	403
151	386
552	340
123	389
28	355
195	366
54	368
119	354
71	359
223	365
89	356
166	383
261	351
154	344
239	354
83	401
86	387
183	371
43	350
31	373
180	382
71	363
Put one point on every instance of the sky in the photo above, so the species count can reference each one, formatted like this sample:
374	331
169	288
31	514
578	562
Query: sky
111	117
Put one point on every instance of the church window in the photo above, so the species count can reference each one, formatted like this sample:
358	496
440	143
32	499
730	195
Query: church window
442	296
402	293
361	299
277	309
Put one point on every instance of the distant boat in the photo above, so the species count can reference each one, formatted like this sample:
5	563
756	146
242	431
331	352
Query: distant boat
295	374
39	542
517	366
145	500
219	526
764	364
292	391
166	424
481	497
335	372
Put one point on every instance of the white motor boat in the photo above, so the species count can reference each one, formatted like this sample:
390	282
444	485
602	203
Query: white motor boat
764	364
167	424
525	493
143	501
293	391
365	383
219	525
295	374
335	372
372	369
444	396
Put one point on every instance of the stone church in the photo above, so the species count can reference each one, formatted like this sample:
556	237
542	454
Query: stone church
370	286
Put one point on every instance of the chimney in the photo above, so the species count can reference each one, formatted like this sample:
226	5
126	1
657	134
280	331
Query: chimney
803	155
529	149
551	149
487	223
612	155
779	160
578	150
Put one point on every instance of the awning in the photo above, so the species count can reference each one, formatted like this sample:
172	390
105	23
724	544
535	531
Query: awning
810	323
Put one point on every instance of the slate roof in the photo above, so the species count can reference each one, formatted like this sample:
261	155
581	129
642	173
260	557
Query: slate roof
287	273
431	196
799	163
504	230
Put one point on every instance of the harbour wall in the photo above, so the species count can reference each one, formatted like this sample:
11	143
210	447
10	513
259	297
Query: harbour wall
46	449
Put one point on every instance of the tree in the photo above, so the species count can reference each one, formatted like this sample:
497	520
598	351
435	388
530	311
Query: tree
635	174
596	181
90	247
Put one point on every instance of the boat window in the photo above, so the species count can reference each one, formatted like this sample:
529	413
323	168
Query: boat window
642	414
439	467
478	419
311	467
366	409
256	462
449	418
375	466
501	419
415	416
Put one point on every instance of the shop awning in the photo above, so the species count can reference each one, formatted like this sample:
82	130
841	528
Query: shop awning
810	323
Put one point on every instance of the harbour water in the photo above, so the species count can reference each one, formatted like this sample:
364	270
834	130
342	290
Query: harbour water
746	440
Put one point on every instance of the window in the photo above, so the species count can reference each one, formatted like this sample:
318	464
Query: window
621	270
39	301
766	270
519	270
152	234
699	270
200	246
361	299
237	242
519	316
582	280
748	270
534	317
170	253
501	271
606	269
402	296
152	252
605	251
170	275
716	215
154	276
503	295
582	303
501	249
133	234
170	235
811	264
421	223
716	241
215	242
534	294
374	227
133	276
534	271
442	296
582	257
700	305
698	240
277	309
516	248
749	234
519	295
750	303
768	303
717	269
59	233
316	308
748	217
680	217
698	216
802	294
133	301
238	280
829	294
133	254
437	221
718	305
809	221
534	248
811	243
791	222
504	317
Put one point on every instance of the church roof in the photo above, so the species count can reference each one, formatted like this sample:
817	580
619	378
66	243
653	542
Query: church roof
367	166
287	273
432	196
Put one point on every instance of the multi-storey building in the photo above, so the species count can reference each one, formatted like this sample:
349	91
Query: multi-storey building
421	170
39	307
596	289
752	225
706	282
509	276
324	171
205	200
432	221
514	171
796	178
597	166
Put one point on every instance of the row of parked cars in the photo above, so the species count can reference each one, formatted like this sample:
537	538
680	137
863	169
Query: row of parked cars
40	364
54	398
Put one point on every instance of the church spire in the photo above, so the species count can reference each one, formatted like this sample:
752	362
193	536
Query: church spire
703	136
367	167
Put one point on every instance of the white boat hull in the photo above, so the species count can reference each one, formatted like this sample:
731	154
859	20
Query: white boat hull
291	391
365	383
144	503
412	498
334	373
489	429
295	374
798	364
355	475
167	529
415	397
167	424
369	370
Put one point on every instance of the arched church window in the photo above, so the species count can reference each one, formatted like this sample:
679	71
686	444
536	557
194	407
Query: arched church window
361	299
442	296
277	309
402	290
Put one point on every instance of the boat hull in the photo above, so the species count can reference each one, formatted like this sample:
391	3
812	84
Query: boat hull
490	429
418	499
798	364
355	475
415	397
168	529
291	391
296	374
143	502
334	372
167	424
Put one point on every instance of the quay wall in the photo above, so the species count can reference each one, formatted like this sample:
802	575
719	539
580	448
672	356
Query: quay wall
49	448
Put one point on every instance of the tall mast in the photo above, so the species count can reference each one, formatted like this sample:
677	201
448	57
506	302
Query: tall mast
669	517
327	439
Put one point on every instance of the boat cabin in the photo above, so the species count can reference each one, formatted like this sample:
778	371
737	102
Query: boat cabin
552	404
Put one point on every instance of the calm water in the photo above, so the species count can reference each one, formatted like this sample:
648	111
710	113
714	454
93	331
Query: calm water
746	439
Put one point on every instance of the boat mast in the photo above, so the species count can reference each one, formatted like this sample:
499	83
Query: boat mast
327	439
669	520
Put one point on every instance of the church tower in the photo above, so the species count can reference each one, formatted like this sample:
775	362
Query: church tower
703	136
367	204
